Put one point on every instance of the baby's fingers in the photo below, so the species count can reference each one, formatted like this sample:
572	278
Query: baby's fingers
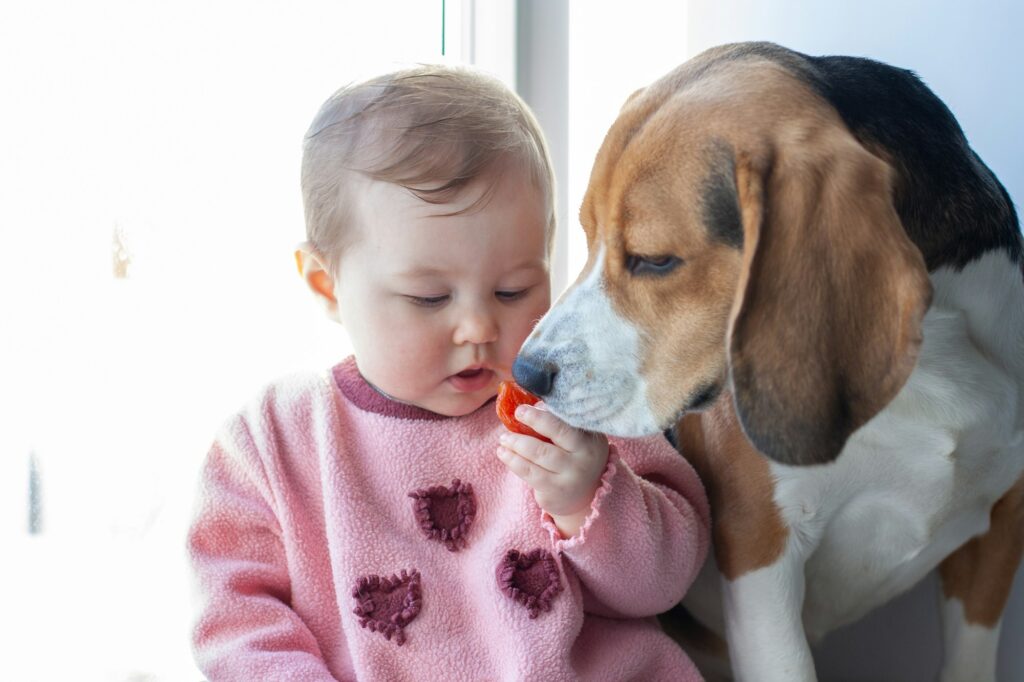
544	455
547	424
531	473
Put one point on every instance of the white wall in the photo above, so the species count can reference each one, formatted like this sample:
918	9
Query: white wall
969	54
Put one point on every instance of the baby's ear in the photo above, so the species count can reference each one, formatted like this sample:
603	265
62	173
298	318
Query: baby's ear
313	269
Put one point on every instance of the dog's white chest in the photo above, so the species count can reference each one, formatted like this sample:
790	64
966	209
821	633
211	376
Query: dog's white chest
919	479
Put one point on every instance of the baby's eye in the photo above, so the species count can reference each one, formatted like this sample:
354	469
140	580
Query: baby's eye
510	295
428	301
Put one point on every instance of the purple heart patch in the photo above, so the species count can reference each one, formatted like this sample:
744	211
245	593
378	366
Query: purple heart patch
530	579
387	605
445	514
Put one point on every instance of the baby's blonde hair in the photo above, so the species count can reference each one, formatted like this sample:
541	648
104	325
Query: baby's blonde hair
430	129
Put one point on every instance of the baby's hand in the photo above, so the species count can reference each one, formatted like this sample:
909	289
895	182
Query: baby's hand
565	473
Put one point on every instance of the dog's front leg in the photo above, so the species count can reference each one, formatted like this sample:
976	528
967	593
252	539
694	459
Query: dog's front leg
976	583
763	623
760	555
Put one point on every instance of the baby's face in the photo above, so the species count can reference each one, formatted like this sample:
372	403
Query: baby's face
437	306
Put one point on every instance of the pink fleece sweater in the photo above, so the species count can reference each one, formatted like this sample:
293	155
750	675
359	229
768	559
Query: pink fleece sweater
340	535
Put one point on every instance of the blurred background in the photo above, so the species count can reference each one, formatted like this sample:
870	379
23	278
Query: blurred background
149	160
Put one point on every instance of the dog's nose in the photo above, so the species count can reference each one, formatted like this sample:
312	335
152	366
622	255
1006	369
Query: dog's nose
537	378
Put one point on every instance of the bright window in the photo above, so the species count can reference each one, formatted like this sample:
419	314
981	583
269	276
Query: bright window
172	131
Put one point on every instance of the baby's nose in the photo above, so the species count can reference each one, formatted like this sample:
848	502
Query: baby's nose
476	327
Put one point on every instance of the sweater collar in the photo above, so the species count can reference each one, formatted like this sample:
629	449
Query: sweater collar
368	398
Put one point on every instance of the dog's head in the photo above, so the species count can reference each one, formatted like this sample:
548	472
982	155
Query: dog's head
742	243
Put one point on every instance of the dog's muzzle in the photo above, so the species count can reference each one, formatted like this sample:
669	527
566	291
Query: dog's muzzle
582	359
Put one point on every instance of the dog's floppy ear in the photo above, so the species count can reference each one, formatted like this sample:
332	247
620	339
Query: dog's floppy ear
826	324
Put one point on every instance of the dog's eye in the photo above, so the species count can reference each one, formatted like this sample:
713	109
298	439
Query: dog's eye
651	265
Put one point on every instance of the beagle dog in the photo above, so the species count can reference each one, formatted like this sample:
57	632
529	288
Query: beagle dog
800	269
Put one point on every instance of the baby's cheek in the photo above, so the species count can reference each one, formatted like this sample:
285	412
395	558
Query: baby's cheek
410	358
393	361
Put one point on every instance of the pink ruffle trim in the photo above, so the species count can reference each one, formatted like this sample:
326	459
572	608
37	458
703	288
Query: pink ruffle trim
560	542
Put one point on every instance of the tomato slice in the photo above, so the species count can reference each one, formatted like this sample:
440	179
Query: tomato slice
510	396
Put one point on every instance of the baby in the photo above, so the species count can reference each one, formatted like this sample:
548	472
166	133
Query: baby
376	521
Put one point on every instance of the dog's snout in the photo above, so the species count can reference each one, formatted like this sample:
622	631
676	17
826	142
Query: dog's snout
536	377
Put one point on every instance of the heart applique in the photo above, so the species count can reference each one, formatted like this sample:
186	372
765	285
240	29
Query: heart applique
530	579
387	605
444	513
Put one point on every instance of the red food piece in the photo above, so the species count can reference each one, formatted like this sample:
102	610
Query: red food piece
510	396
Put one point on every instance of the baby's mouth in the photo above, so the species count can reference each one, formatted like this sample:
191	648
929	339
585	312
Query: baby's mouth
470	380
